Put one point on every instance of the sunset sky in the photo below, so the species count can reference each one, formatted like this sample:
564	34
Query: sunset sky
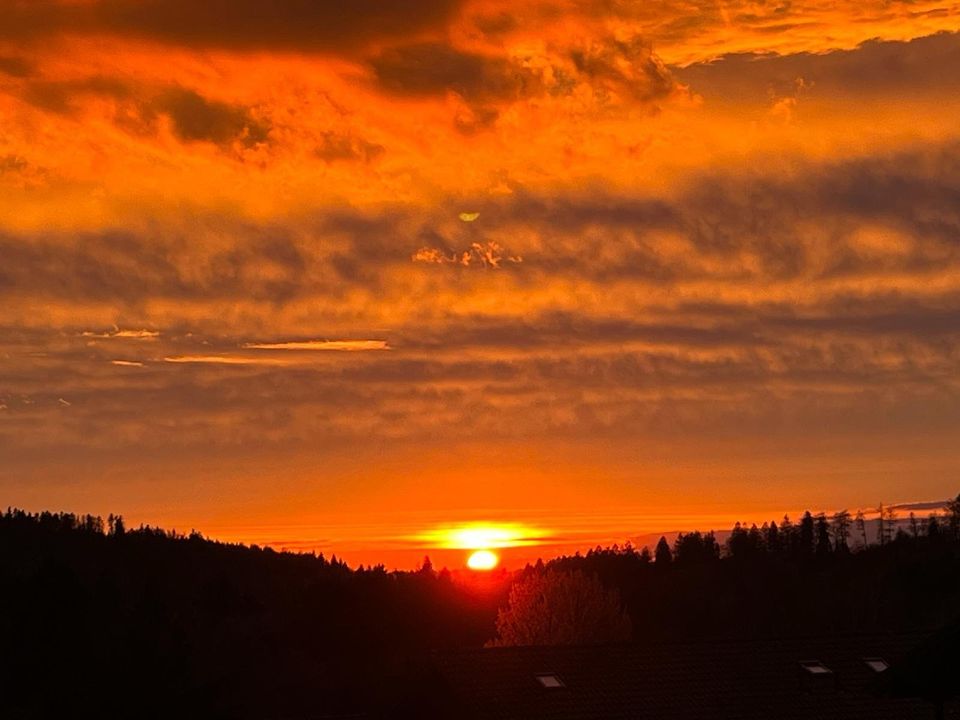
334	275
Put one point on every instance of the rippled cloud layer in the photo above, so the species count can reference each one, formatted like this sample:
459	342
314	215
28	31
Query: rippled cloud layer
347	249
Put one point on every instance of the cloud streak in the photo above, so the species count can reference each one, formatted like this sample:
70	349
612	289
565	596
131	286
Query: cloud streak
739	304
487	255
308	25
323	345
123	334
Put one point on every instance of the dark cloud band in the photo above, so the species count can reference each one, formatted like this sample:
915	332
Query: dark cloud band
307	25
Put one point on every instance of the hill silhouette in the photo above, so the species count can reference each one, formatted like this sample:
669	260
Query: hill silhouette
97	616
173	625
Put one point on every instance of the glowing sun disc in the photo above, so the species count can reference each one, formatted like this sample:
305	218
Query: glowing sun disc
483	560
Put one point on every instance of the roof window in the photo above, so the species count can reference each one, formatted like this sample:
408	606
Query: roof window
549	680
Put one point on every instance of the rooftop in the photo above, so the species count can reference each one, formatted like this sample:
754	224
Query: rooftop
808	679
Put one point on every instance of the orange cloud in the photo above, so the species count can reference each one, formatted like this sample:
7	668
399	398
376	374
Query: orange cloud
488	255
322	26
312	345
713	222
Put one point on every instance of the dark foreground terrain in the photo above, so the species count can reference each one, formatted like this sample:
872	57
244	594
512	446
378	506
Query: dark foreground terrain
95	618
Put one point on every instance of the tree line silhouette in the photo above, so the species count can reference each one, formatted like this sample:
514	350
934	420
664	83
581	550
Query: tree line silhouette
821	575
812	536
154	623
110	615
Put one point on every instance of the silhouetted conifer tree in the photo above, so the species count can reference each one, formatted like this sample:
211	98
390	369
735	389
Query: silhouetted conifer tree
745	544
737	542
888	524
755	541
663	557
788	536
711	547
806	535
861	523
953	516
773	539
695	548
841	531
824	546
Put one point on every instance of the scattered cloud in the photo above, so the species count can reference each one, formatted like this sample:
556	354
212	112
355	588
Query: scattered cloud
873	68
925	507
595	75
342	345
486	255
12	164
435	68
223	360
312	25
199	119
64	96
334	147
122	334
17	67
140	109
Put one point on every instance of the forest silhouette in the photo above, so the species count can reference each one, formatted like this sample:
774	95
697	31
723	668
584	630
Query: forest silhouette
96	615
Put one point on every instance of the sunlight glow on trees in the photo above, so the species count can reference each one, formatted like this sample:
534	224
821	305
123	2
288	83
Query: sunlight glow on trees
556	607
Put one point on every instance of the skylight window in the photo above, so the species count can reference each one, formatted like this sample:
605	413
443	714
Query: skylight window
816	668
549	680
878	665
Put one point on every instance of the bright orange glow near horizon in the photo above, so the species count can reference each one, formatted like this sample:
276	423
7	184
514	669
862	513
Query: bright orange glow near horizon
483	536
367	282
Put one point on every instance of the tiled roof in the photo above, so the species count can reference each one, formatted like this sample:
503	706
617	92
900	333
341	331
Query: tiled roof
715	681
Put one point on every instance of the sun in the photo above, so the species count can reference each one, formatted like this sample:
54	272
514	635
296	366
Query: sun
483	560
482	539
